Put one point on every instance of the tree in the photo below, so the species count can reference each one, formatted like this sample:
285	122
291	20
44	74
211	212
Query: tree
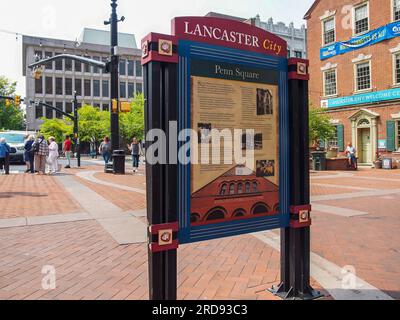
11	117
93	123
57	128
132	123
320	126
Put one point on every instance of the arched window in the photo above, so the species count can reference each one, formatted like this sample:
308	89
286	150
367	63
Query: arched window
255	186
232	188
223	190
363	122
248	187
239	213
240	188
216	214
260	208
276	207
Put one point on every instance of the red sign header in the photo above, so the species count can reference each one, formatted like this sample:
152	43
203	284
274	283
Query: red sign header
229	33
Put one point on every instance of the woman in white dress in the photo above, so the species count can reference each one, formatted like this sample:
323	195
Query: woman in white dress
53	155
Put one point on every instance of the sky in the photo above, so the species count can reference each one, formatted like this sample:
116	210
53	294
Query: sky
66	19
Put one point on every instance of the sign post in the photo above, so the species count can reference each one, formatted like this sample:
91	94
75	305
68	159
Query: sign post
226	148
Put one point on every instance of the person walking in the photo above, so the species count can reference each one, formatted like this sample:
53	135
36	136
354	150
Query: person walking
105	149
4	156
67	149
41	149
136	151
29	154
53	156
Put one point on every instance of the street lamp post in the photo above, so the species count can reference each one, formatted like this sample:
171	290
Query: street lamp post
76	130
114	72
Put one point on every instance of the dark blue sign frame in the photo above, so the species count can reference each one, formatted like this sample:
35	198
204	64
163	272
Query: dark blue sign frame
189	50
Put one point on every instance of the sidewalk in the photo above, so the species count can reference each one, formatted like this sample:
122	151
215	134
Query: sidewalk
90	262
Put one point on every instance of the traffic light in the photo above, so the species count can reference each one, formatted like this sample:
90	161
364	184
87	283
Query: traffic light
114	105
126	106
17	101
8	102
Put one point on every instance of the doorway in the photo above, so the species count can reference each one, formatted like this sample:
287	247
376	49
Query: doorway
364	146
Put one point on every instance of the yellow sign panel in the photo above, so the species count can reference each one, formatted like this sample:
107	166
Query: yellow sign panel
126	106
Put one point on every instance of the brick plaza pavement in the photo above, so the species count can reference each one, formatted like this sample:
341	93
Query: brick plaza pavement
89	264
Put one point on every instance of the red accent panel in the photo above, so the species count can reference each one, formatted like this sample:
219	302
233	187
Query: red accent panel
154	55
297	209
299	64
154	247
297	225
229	33
154	229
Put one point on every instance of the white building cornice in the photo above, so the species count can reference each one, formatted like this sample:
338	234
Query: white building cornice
362	57
329	66
327	14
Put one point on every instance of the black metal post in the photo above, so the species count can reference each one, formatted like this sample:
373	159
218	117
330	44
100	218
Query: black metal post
295	240
161	107
114	66
76	130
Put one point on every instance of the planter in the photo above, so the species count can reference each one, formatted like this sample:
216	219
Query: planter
332	153
378	164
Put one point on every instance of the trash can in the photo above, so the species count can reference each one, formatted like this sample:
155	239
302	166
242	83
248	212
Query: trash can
319	160
387	163
119	161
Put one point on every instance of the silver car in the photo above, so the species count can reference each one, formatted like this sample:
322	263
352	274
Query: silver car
16	140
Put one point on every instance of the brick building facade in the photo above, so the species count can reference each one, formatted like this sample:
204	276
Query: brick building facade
354	49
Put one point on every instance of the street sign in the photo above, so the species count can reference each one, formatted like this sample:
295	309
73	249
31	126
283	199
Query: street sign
218	144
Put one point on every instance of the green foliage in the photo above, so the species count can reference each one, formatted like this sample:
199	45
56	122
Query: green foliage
11	118
93	124
320	126
132	123
56	128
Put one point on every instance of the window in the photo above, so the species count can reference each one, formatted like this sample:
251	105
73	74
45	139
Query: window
255	187
87	67
78	87
330	85
59	105
39	86
363	76
68	107
49	85
68	65
232	189
59	86
396	10
139	88
240	188
398	134
78	66
361	20
106	88
248	190
131	68
96	88
59	63
38	55
397	68
49	112
38	112
298	54
122	67
49	65
223	190
68	86
122	90
105	60
131	90
88	89
334	141
139	72
329	31
95	69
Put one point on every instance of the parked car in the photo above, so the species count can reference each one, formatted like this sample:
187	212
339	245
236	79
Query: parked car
16	140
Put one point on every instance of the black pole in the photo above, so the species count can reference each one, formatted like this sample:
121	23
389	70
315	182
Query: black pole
295	239
114	65
76	130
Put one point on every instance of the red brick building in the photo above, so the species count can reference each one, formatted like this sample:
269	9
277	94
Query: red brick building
354	49
232	197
